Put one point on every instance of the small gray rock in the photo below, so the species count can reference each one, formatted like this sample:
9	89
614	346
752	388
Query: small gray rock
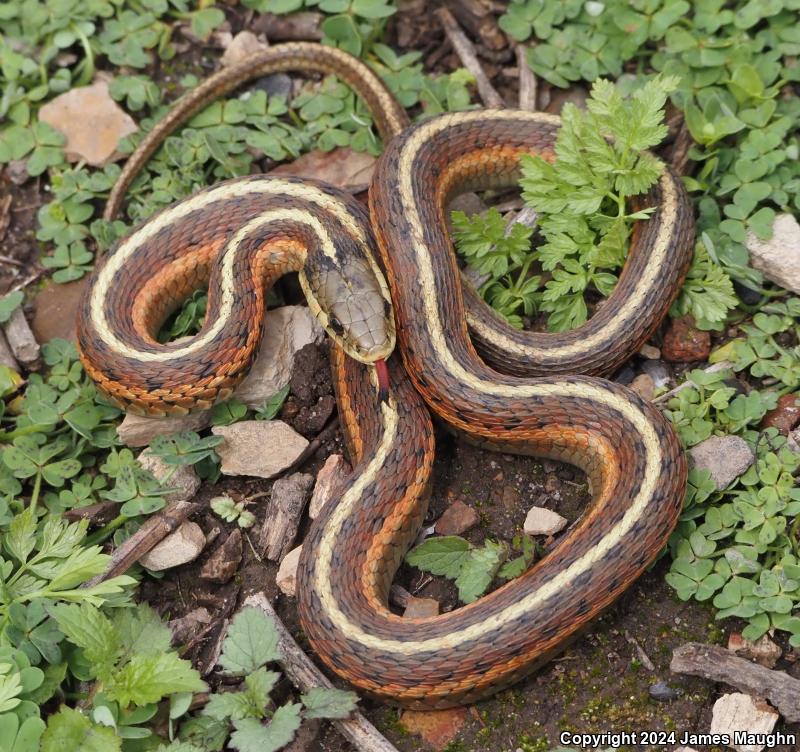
658	371
662	692
725	457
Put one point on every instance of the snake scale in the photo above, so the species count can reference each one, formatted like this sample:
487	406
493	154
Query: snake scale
525	392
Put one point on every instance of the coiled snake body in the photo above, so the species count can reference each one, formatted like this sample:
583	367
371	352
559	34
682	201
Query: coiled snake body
241	234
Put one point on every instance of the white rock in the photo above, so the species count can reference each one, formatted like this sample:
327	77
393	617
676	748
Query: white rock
725	457
286	579
334	469
21	340
244	44
541	521
793	440
286	330
258	448
779	257
183	478
740	712
180	547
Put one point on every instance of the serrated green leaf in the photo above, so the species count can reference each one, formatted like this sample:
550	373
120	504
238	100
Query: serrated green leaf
251	642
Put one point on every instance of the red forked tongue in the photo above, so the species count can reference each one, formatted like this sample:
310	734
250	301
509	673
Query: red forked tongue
382	372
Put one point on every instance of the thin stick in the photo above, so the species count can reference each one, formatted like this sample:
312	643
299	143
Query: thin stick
466	53
721	665
305	675
527	80
145	538
721	366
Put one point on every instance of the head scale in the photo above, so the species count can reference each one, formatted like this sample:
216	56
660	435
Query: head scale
348	294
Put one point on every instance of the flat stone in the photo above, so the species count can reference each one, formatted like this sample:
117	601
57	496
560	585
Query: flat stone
286	579
223	563
55	310
286	331
779	257
258	448
793	440
183	478
180	547
541	521
92	122
740	712
457	519
328	479
725	457
420	608
644	386
684	342
763	651
786	414
436	727
140	430
244	44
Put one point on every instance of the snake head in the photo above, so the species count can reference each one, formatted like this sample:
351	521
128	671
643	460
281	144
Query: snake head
349	296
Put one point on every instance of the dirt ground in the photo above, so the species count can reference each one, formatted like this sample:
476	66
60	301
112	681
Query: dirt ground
599	684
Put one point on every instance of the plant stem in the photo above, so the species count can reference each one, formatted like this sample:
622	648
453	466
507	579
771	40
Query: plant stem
101	535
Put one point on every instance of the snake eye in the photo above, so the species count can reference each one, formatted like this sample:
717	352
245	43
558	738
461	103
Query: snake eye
336	325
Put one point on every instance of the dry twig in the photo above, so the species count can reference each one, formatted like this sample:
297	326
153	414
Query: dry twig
305	675
466	53
157	527
721	665
527	80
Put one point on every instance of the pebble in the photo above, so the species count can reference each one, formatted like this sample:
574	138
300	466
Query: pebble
746	295
740	712
140	430
244	44
179	547
625	375
644	386
649	352
763	651
685	343
457	519
662	692
223	563
258	448
286	579
725	457
786	414
541	521
779	257
657	370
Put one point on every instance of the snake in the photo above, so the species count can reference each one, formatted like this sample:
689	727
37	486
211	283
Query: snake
387	279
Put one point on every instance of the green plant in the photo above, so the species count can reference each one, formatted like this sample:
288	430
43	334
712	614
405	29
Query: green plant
472	568
232	511
251	644
582	201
